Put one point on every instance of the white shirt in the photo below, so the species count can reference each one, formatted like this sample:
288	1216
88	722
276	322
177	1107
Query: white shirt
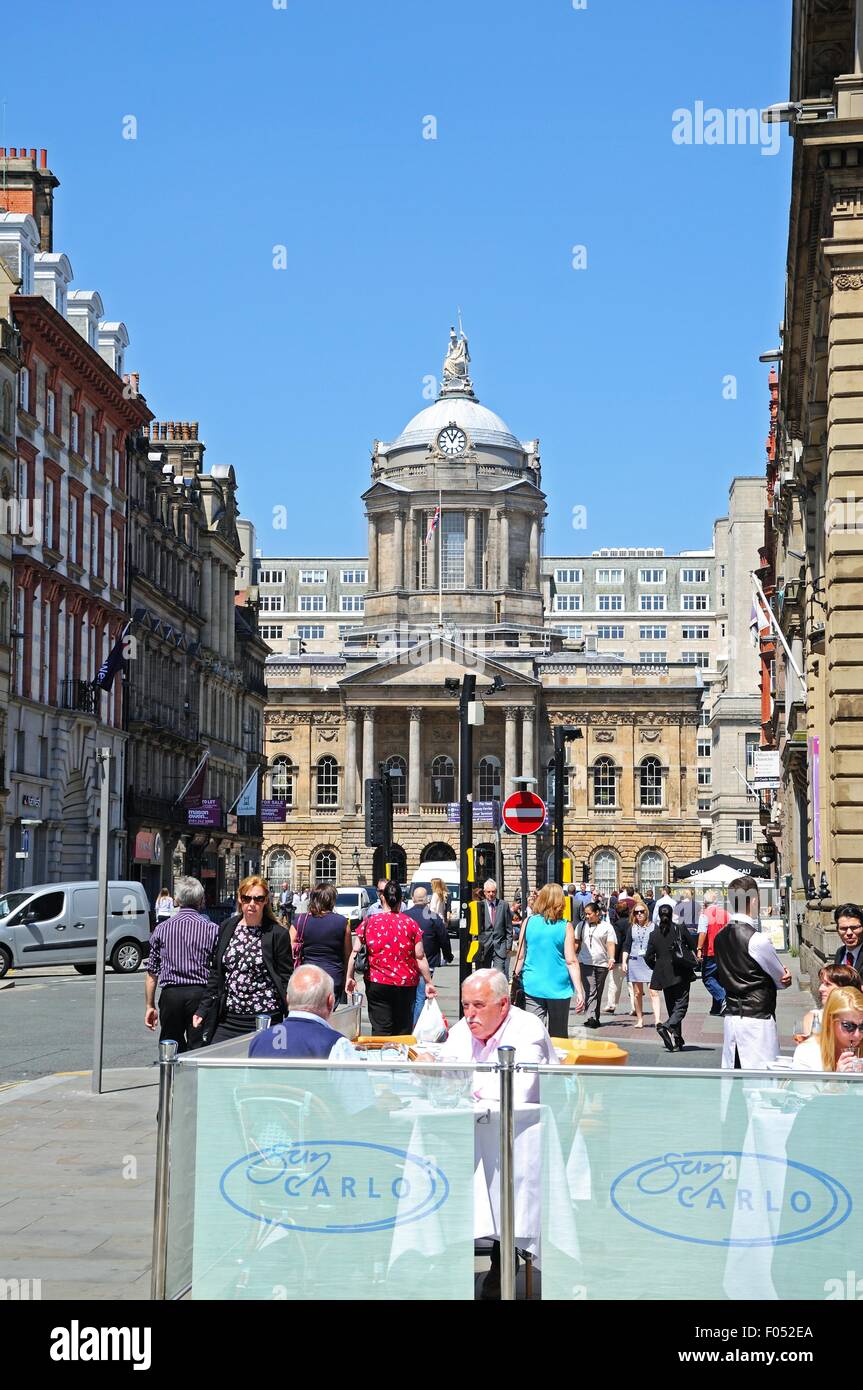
756	1040
595	942
807	1056
664	901
520	1030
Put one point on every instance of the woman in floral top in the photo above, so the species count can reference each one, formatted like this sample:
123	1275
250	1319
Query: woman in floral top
252	964
396	960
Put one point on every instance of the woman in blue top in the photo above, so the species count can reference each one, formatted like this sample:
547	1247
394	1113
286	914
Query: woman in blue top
548	961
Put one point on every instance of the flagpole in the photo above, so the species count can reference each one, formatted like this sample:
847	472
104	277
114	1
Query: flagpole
440	560
772	622
204	758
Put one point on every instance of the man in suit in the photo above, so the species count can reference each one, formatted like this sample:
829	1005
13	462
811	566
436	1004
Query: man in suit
849	924
495	930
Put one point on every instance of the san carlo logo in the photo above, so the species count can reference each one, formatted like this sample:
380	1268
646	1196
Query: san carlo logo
726	1198
337	1187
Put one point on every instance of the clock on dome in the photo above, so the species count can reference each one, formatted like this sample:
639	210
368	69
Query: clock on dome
452	441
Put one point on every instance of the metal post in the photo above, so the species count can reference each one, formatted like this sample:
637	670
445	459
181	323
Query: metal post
558	802
262	1022
103	758
465	830
506	1063
167	1069
523	880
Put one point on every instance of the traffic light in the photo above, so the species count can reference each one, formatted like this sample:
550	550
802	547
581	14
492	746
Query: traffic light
376	812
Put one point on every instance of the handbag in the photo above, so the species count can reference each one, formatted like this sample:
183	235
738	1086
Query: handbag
298	944
361	962
683	956
516	984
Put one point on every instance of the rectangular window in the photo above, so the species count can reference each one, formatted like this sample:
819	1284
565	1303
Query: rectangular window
345	629
354	576
75	428
567	576
704	776
753	743
309	603
97	452
694	632
609	576
651	576
479	559
571	630
48	530
701	659
452	550
315	631
24	388
271	632
653	632
693	576
694	603
313	577
610	603
704	805
567	603
352	603
704	718
653	658
51	414
705	747
744	832
273	603
610	632
651	603
274	577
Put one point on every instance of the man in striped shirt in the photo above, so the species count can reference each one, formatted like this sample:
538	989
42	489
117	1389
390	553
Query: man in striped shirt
180	951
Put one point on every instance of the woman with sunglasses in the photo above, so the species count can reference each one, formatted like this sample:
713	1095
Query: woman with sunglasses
839	1045
637	970
251	967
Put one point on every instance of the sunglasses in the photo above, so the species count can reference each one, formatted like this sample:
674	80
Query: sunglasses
252	898
848	1027
639	912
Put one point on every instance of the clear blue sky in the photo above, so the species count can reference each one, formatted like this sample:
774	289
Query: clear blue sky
303	127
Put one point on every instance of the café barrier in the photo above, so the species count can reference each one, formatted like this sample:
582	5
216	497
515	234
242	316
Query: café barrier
285	1179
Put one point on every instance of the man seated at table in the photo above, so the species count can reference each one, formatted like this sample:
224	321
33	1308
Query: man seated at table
306	1032
492	1021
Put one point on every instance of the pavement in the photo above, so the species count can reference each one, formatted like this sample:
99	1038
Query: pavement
77	1207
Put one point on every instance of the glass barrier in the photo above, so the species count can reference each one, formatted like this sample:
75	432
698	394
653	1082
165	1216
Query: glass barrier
299	1180
699	1186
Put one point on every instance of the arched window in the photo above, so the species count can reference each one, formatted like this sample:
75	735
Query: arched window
604	782
327	784
650	783
489	779
282	785
397	860
651	871
280	869
325	865
549	785
442	779
605	871
397	770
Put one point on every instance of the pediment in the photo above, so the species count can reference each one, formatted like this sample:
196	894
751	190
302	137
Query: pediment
434	660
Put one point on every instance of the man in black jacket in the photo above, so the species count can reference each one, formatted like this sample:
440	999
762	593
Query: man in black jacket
495	930
436	943
849	924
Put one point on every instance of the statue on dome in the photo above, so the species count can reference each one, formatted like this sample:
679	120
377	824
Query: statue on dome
456	361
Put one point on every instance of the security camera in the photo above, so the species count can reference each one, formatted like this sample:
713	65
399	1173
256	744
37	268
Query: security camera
782	112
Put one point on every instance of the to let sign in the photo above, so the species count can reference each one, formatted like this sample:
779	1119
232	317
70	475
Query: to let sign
524	813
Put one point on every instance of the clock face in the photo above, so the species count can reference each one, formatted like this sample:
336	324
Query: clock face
452	441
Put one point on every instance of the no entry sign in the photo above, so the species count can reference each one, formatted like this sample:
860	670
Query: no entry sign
523	812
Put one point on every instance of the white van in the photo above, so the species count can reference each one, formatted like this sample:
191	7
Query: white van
448	871
55	924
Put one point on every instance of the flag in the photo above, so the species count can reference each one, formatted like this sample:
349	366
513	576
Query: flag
246	803
113	662
193	792
753	624
433	524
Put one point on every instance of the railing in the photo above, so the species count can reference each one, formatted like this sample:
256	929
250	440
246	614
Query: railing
80	696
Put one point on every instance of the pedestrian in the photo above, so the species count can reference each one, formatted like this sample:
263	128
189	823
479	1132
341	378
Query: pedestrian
547	960
252	963
379	905
637	970
750	972
830	977
849	924
687	910
286	905
664	900
649	901
712	919
164	906
495	930
619	918
179	961
436	943
672	962
395	961
439	900
839	1045
303	904
323	937
597	942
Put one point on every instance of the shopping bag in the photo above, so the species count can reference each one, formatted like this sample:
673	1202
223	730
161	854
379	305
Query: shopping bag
431	1026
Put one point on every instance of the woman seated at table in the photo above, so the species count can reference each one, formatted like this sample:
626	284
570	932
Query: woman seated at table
830	977
839	1045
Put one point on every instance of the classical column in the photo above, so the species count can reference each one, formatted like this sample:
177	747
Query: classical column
411	550
414	760
527	742
399	550
351	762
229	612
533	556
369	769
511	713
472	580
373	554
207	595
503	551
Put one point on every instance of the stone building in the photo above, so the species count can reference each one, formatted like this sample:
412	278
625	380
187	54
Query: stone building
812	569
10	520
449	591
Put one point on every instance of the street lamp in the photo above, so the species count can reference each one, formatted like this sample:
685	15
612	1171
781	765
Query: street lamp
563	734
355	860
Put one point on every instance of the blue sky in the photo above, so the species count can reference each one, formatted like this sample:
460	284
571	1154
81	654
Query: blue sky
303	127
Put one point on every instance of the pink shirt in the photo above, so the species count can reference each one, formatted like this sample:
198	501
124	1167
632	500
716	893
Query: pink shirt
521	1030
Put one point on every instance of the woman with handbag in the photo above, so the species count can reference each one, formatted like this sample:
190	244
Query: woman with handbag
547	964
251	966
323	937
674	964
395	960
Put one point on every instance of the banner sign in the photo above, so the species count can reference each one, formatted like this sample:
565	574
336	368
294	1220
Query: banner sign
766	771
815	794
484	813
208	813
272	811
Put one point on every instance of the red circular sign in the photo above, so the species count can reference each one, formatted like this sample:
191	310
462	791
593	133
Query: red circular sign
523	812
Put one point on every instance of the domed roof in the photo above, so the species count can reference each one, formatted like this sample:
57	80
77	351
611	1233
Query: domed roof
481	424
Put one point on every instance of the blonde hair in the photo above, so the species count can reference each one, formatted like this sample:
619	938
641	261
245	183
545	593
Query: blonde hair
438	886
841	1001
255	881
550	902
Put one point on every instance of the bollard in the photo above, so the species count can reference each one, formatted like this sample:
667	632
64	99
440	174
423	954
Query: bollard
262	1021
167	1068
506	1062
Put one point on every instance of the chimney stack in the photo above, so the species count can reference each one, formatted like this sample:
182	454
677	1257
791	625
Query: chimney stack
29	188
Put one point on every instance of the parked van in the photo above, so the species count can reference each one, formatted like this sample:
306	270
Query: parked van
447	870
55	924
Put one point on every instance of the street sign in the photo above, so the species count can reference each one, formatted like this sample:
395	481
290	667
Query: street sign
484	813
524	812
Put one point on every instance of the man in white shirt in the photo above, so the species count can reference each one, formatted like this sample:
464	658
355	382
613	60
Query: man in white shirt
490	1021
379	905
668	901
750	972
597	942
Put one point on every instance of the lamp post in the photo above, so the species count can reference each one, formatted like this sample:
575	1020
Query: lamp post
563	734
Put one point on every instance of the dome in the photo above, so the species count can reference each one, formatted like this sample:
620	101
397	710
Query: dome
481	424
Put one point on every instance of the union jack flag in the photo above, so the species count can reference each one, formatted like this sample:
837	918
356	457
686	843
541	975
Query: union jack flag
433	524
